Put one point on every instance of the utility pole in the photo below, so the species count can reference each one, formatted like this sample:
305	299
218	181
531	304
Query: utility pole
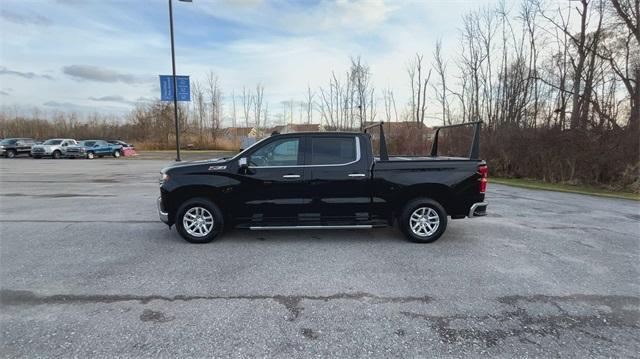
175	82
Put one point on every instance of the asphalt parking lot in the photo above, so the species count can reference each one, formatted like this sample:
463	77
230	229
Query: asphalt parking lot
87	269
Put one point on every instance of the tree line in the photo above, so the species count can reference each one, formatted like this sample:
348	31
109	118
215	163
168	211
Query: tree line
557	86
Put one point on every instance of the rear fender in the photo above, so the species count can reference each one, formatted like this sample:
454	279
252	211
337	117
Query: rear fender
437	192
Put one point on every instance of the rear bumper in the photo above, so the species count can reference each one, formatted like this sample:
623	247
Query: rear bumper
164	216
478	209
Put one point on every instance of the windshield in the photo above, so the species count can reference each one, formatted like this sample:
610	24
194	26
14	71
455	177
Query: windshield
52	142
7	142
88	143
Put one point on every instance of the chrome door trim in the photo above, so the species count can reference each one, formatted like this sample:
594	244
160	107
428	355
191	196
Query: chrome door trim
358	155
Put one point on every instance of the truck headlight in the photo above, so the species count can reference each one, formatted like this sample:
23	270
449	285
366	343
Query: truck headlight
164	178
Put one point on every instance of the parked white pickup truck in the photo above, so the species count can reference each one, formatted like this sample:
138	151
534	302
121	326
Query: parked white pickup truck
54	148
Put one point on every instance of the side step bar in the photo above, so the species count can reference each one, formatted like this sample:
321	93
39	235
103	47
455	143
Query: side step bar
357	226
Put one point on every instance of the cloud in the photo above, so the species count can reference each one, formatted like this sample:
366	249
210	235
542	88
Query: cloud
111	98
26	75
304	18
30	19
4	93
59	104
101	74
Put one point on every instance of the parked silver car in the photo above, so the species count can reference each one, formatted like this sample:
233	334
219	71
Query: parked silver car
54	148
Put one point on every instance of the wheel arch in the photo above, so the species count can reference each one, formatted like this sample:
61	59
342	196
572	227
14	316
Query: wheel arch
440	193
180	195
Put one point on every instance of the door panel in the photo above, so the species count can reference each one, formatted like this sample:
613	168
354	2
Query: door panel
273	185
339	180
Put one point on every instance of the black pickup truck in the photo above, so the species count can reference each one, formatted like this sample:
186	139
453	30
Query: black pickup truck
315	180
12	147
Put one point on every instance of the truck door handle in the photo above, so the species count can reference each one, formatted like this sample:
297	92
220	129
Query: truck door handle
357	175
291	176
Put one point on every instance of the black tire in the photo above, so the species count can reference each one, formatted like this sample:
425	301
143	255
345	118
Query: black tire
117	154
218	220
90	155
11	154
56	155
414	205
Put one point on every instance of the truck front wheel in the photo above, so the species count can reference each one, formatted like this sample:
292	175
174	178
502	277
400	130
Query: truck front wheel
199	220
423	220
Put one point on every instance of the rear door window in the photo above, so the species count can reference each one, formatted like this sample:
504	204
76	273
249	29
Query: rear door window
333	150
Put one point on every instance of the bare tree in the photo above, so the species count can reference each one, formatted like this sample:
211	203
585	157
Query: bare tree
360	82
624	54
234	116
247	101
216	107
257	105
418	88
309	104
441	91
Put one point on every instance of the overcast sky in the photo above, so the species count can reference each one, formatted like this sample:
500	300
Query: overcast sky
104	56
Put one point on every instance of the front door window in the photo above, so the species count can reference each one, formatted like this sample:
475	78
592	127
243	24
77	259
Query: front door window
277	153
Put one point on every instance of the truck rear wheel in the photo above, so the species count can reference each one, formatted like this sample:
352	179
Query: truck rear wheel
423	220
199	220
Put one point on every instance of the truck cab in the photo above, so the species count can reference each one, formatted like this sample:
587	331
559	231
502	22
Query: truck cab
315	180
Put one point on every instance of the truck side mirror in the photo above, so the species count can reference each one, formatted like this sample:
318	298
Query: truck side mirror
242	165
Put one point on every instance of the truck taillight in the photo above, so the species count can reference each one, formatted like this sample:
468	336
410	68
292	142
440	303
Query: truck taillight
484	172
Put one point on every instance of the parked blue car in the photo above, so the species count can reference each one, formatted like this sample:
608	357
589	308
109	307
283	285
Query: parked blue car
92	148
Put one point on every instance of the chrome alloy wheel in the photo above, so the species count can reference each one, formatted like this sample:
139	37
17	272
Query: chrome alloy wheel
424	221
198	222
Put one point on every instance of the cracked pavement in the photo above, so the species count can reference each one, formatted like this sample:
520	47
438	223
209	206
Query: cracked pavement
87	270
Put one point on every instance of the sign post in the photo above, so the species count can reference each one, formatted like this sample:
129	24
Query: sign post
175	83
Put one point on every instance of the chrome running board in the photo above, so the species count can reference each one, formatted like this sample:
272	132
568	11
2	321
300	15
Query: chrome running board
357	226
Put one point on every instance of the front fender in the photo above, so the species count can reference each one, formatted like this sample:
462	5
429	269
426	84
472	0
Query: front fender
215	187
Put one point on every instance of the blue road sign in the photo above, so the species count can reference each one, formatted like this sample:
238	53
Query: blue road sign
166	88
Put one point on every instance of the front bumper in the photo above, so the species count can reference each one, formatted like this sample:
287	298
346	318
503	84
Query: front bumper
478	209
164	216
40	153
75	155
